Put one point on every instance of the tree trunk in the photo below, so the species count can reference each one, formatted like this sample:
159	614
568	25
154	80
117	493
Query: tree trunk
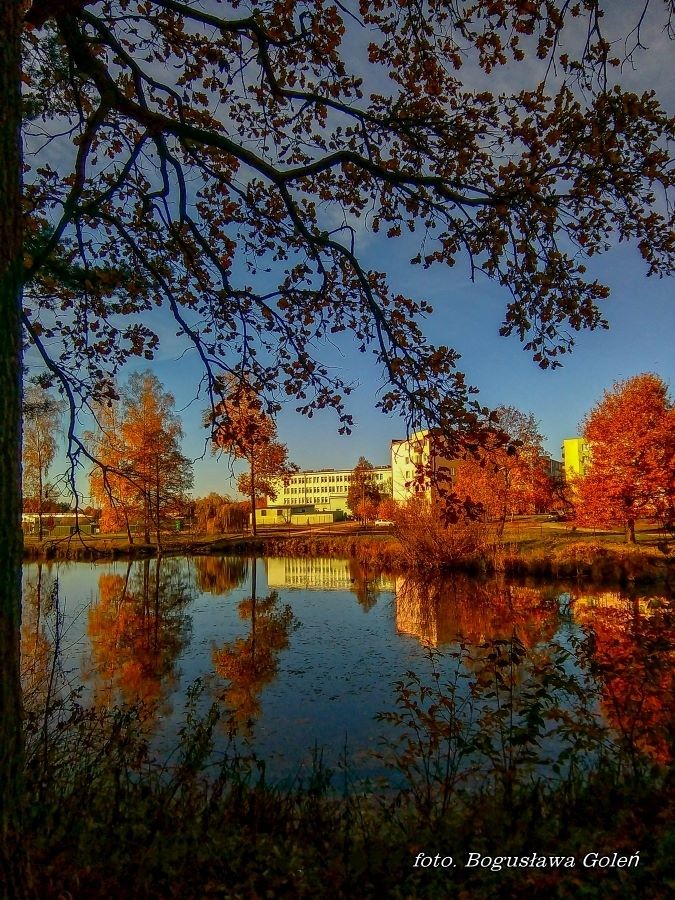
157	504
13	865
41	530
130	537
630	532
254	531
146	513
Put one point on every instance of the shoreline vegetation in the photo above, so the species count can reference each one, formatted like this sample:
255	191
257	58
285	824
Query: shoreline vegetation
533	548
471	787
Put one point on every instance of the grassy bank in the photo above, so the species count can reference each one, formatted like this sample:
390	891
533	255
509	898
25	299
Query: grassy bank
540	549
562	557
105	546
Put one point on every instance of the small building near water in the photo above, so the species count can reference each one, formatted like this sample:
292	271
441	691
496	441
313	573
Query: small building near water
305	514
58	524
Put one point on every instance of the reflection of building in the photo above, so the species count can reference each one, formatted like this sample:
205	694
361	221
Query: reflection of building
414	616
324	489
575	457
461	608
308	572
411	457
586	604
315	573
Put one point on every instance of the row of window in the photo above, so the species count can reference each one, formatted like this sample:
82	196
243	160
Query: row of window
411	473
331	479
301	490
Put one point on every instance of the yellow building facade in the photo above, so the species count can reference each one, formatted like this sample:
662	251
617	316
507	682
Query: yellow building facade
575	458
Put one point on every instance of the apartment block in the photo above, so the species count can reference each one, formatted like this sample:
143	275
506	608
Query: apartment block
406	456
324	489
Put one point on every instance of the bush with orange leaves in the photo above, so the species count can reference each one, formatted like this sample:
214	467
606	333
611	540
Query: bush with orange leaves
428	541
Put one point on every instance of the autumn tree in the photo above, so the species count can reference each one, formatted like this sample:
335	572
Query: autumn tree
144	474
630	435
220	162
241	427
363	494
387	508
507	474
41	420
109	480
217	514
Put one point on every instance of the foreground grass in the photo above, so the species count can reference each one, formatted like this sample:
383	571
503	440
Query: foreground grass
107	820
134	834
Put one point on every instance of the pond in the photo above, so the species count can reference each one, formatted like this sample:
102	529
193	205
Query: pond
302	654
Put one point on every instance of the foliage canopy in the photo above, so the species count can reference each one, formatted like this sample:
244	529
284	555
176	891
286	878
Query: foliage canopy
363	493
242	428
508	475
224	162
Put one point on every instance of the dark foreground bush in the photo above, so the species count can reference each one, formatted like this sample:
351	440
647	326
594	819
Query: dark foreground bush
501	756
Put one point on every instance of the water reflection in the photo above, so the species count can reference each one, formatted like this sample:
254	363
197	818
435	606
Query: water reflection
219	574
40	633
445	611
151	629
632	652
322	573
329	574
250	663
138	628
629	648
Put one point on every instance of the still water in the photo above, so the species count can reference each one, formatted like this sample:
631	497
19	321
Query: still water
301	654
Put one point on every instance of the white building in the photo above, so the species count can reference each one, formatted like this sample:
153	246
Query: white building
406	458
325	489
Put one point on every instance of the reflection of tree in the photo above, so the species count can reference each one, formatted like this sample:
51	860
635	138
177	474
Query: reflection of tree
442	611
633	652
365	584
138	629
37	645
219	574
251	663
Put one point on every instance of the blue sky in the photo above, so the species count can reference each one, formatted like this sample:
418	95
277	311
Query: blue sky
466	316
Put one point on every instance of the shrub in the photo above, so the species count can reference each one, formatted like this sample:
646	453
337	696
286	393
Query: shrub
428	542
